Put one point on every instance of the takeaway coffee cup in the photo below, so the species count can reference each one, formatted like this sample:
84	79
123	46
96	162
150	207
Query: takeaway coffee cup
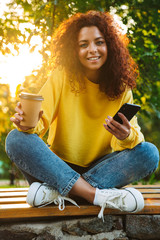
31	105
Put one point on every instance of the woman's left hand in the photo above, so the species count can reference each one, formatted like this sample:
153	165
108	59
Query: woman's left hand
120	131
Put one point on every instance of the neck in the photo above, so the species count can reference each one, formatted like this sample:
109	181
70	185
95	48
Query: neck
93	76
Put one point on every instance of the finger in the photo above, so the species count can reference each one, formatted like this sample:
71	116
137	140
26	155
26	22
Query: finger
108	128
40	114
17	123
119	131
13	119
111	128
110	125
116	134
124	119
18	110
18	117
19	104
113	124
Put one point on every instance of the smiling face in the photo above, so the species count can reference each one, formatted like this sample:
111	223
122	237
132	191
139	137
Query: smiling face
92	49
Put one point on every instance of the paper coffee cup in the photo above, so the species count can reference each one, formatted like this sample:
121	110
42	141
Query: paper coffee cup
31	105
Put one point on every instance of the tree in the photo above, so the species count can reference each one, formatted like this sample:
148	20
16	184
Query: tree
6	109
144	46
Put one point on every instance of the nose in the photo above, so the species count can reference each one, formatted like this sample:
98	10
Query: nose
92	48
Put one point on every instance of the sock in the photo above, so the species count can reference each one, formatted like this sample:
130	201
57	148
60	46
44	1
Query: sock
95	202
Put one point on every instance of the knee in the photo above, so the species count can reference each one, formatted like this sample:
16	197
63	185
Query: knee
150	154
12	136
13	141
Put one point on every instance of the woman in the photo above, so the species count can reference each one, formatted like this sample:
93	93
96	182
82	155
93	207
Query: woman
90	155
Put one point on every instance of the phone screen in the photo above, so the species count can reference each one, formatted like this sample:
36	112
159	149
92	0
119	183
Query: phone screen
129	110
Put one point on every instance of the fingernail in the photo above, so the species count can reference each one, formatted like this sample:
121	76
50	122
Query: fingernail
109	117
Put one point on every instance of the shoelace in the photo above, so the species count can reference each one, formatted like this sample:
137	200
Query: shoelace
60	202
112	201
57	199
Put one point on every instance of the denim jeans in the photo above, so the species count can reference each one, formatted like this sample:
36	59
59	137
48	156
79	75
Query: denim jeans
38	163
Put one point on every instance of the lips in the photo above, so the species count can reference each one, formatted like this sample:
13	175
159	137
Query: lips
93	58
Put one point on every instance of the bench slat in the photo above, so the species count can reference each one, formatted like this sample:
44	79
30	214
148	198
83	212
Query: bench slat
13	205
24	194
12	200
11	194
3	190
145	186
25	211
23	199
156	190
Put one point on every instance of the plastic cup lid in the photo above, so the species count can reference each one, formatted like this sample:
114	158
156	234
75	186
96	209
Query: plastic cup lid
31	96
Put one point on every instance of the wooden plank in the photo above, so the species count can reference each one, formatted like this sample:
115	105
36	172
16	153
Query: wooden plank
23	199
18	199
144	186
13	205
15	200
25	211
2	190
11	194
21	193
149	190
12	200
140	186
151	196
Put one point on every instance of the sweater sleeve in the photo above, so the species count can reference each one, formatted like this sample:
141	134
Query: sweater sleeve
51	92
135	136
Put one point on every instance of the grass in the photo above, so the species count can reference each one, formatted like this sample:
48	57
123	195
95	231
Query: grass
12	186
5	183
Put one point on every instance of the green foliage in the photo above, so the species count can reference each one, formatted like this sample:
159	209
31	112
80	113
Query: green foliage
144	47
6	108
4	160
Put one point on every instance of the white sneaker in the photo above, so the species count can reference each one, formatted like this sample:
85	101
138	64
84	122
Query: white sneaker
126	199
40	195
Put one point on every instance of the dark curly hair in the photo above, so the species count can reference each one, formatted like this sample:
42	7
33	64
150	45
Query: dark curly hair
119	70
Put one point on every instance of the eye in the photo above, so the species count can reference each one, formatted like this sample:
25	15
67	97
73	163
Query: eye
83	45
99	43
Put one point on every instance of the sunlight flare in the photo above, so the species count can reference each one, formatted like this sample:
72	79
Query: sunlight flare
15	68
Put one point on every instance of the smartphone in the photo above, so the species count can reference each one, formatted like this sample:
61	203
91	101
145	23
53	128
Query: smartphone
129	110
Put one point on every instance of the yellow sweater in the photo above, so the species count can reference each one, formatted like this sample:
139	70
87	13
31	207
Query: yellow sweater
75	121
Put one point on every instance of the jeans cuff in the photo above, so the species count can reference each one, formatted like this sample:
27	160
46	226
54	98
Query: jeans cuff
66	190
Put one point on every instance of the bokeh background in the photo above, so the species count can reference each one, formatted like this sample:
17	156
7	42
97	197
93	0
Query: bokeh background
26	27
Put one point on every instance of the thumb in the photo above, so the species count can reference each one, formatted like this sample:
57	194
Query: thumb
40	114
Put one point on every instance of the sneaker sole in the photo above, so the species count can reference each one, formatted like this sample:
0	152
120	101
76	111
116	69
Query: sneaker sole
32	193
138	197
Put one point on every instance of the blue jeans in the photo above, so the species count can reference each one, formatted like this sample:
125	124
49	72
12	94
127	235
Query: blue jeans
38	163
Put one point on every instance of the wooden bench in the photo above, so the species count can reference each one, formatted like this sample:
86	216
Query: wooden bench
13	205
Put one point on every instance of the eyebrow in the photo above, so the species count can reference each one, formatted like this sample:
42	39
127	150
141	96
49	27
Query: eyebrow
94	39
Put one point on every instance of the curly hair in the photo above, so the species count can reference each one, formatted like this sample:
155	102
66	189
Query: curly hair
119	71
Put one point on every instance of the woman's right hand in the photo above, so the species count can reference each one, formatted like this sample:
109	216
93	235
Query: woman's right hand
18	117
